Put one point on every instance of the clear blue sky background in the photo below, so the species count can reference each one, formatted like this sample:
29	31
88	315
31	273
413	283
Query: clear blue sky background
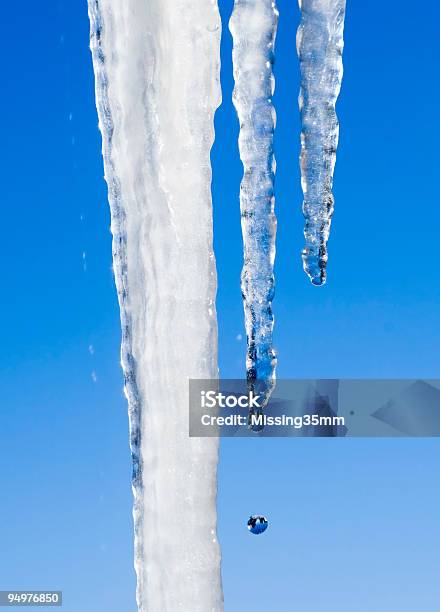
353	523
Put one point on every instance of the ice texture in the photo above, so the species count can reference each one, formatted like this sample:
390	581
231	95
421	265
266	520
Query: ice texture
156	66
253	26
320	45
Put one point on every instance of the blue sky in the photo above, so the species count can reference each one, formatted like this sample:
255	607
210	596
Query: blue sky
352	522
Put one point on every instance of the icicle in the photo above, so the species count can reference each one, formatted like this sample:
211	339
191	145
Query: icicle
320	45
156	65
253	26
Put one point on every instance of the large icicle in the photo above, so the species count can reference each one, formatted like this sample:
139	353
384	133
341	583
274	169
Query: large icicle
253	26
156	65
320	44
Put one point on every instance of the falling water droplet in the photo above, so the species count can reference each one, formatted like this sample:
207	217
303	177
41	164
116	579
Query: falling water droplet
257	524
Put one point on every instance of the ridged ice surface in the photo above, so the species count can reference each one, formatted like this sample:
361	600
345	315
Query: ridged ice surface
156	65
253	26
320	44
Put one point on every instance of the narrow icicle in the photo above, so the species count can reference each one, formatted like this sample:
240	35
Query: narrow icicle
253	26
319	44
156	66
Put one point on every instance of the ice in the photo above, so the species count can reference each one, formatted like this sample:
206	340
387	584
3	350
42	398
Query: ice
253	26
156	67
320	44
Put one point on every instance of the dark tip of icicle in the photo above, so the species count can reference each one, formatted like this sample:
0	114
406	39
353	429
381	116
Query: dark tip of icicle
314	267
317	282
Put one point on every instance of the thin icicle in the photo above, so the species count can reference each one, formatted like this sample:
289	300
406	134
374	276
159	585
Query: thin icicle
319	44
157	87
253	26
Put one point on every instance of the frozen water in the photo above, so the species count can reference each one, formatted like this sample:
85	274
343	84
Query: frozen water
253	26
257	524
320	44
156	68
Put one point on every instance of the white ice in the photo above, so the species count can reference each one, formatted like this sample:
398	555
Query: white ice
157	65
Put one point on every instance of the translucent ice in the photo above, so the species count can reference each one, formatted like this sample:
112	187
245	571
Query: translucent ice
253	26
320	44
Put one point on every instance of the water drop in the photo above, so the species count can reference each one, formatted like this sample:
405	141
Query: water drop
257	524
